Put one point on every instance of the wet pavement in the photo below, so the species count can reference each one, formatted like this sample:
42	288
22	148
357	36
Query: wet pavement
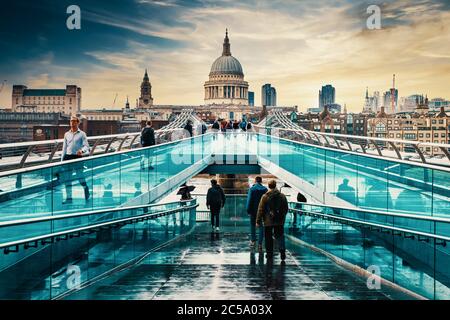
205	266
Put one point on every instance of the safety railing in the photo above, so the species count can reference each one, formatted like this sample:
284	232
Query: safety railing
26	154
386	148
98	182
409	250
361	180
30	233
49	263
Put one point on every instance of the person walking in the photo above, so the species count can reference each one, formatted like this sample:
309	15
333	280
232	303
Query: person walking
147	140
254	196
188	128
272	211
148	135
75	145
215	200
216	126
243	125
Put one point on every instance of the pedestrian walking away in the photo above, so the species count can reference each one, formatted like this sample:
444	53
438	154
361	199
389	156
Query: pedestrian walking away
75	146
188	127
272	211
254	196
147	140
215	200
148	135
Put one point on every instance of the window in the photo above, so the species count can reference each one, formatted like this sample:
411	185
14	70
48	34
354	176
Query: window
380	127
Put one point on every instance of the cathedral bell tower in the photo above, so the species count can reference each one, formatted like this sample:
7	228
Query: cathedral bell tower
146	99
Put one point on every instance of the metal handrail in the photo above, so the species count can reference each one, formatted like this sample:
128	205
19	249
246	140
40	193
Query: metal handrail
48	165
369	140
377	212
44	142
362	137
374	225
17	222
54	145
107	224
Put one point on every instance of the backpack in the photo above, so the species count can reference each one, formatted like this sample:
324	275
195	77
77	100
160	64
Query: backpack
274	205
148	137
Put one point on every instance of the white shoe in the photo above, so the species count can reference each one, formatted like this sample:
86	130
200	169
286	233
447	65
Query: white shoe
217	229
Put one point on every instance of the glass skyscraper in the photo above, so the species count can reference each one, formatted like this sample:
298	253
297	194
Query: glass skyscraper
268	95
327	96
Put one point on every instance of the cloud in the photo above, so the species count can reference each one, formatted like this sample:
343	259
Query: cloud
298	46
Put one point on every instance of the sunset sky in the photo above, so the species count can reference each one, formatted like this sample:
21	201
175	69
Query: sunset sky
297	46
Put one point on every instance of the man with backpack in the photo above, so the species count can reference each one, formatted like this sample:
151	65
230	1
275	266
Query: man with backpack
272	211
215	200
148	135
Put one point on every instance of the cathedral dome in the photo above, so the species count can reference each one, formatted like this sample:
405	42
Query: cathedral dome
226	65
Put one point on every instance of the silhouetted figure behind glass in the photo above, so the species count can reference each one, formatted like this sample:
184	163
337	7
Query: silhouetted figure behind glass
346	192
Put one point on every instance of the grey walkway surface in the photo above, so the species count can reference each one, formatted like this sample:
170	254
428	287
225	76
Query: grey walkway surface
205	266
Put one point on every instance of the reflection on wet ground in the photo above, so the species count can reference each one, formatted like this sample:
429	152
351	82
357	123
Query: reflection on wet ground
205	266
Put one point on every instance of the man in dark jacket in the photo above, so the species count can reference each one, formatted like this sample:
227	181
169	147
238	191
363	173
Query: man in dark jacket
188	128
215	200
216	126
272	211
147	140
148	135
254	196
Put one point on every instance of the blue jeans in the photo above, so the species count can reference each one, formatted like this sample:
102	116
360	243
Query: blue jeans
253	230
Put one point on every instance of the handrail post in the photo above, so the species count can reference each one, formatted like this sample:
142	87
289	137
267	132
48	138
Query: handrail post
25	156
377	147
109	144
419	152
395	149
121	143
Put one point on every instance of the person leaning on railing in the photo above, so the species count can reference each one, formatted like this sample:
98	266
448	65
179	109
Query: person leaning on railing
74	147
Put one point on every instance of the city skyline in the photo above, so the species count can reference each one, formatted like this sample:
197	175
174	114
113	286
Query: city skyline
178	41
